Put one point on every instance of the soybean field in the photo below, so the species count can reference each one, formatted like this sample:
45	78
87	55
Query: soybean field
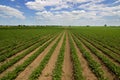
59	53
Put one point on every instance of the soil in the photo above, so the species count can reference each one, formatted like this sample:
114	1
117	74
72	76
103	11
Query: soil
47	71
20	52
67	68
21	61
107	73
111	58
26	73
18	63
87	73
67	64
8	59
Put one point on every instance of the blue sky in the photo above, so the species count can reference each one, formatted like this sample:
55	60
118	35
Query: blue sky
59	12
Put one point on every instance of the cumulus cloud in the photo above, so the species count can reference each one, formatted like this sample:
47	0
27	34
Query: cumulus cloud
40	4
6	11
65	16
59	7
57	15
72	11
76	17
57	4
83	1
101	9
117	1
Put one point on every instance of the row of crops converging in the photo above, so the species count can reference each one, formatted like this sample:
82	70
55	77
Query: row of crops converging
60	54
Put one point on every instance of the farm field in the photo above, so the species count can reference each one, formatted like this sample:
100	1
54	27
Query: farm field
60	53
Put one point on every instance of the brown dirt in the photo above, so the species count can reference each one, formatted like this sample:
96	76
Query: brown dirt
107	73
111	58
47	71
20	61
67	64
8	59
87	73
26	73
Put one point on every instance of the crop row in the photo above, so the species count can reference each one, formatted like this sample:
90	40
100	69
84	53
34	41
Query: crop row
13	74
57	72
15	34
112	55
17	43
100	43
107	36
77	69
95	66
36	73
13	47
111	65
9	54
14	37
4	66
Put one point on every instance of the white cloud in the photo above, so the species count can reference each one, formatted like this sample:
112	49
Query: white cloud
101	9
83	1
65	16
69	11
6	11
58	4
76	17
40	4
117	1
63	6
